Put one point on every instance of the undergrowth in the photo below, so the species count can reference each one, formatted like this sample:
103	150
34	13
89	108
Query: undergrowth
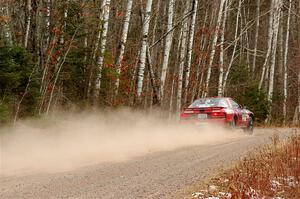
270	172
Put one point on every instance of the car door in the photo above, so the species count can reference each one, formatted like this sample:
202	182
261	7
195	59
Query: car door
238	110
245	117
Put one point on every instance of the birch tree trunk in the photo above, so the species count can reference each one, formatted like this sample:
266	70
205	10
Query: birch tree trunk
91	69
270	36
123	43
167	49
213	47
190	49
278	5
256	35
28	22
182	58
143	51
285	62
221	73
100	61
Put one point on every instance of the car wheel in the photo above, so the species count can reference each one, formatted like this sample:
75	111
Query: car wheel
232	124
250	126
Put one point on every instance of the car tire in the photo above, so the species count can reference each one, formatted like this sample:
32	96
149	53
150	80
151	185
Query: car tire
232	124
250	127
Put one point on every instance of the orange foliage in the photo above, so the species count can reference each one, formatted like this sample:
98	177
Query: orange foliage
119	14
56	31
4	19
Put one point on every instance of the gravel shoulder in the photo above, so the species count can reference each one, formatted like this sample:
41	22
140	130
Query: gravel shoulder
157	175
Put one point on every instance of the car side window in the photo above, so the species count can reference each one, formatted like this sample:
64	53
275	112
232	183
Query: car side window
234	104
223	103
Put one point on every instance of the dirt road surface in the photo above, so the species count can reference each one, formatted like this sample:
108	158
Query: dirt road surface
156	175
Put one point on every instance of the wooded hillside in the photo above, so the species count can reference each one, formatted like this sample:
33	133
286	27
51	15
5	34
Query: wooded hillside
76	54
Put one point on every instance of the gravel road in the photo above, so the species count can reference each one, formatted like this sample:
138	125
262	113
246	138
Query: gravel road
156	175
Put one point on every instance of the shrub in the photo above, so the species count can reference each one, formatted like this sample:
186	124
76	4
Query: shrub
16	66
244	89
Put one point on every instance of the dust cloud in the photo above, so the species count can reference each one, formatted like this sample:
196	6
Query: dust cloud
67	142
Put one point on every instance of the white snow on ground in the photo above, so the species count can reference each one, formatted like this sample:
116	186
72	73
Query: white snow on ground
275	185
198	195
224	194
291	181
207	194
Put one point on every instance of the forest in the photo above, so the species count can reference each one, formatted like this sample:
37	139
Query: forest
76	55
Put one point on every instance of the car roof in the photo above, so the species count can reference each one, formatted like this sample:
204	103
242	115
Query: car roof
215	97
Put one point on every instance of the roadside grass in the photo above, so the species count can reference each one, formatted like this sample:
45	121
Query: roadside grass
269	172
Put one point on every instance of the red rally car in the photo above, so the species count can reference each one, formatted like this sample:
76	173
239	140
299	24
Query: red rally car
222	110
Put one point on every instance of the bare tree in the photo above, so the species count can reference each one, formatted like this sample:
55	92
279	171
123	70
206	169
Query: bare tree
45	43
182	58
234	48
221	73
270	37
23	96
58	72
28	22
256	35
65	16
190	49
47	4
199	72
143	51
277	4
100	61
168	44
123	43
182	50
285	62
213	46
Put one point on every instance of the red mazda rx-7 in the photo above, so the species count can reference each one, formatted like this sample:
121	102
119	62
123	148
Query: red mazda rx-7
222	110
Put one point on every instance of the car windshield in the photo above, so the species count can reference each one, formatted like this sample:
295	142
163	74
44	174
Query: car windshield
209	102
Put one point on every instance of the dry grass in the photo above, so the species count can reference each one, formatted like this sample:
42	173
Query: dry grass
271	172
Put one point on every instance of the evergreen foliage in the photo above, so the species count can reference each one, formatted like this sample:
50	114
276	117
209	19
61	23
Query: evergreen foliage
16	70
245	90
